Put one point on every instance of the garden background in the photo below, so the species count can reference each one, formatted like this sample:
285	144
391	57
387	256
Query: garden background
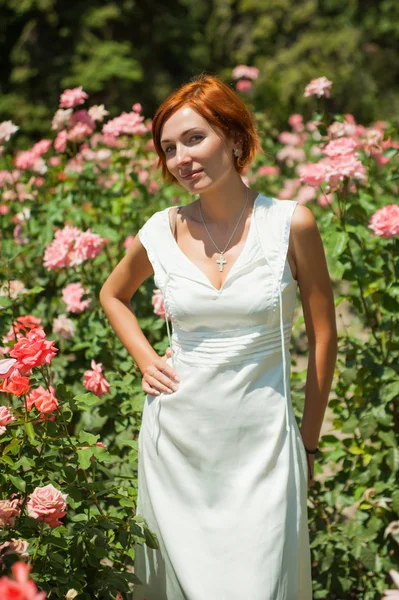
78	178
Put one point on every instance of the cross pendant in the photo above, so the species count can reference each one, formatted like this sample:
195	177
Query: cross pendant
221	261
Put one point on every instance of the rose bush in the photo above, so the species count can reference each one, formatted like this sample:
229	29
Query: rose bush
71	397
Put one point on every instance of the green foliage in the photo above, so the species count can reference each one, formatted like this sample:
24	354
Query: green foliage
128	50
354	501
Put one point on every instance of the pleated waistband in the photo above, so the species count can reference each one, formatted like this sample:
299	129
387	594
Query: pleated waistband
212	349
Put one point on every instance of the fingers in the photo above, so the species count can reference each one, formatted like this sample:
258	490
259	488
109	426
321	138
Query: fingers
159	377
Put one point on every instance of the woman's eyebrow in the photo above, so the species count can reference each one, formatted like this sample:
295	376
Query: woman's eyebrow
184	133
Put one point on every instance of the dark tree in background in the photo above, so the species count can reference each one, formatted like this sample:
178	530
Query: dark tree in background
139	50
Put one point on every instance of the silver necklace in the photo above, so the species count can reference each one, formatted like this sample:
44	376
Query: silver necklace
221	261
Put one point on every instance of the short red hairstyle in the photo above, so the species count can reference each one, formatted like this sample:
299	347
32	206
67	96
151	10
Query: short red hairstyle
220	106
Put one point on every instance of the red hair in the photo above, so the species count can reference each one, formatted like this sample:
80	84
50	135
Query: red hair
220	106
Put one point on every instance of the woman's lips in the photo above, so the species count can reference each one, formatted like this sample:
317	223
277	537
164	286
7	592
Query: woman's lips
192	175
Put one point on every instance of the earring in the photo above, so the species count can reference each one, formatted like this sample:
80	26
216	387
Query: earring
237	152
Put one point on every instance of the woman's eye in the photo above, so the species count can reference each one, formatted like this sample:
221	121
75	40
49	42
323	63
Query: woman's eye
195	136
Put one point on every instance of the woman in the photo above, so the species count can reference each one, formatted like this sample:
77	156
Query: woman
223	470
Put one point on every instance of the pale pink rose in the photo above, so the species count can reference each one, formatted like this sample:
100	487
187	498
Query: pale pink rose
72	296
87	246
291	155
4	209
127	123
318	87
25	160
20	588
340	146
385	222
313	173
9	510
267	171
152	187
82	116
14	546
72	97
5	418
39	181
60	141
94	380
14	288
245	71
244	86
392	594
306	194
296	122
47	504
44	400
325	199
158	304
7	129
98	112
33	350
128	241
79	131
54	161
143	176
61	119
345	165
64	327
9	196
5	177
41	147
291	139
137	108
289	190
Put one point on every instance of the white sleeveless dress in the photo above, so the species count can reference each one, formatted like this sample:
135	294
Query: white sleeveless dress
222	477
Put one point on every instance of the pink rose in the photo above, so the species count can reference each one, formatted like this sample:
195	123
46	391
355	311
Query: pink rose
20	588
47	504
313	173
291	139
340	146
128	241
296	122
245	71
158	304
44	400
318	87
9	510
60	142
94	380
5	419
16	383
14	547
127	123
64	327
33	350
72	97
244	86
385	222
7	367
72	296
267	171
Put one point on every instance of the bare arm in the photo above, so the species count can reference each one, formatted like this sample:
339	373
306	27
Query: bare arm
115	296
319	313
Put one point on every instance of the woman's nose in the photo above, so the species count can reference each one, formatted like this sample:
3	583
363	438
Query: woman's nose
182	154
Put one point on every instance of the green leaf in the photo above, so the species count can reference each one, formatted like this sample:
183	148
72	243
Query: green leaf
88	438
13	444
389	391
393	459
30	430
84	457
367	425
86	400
17	482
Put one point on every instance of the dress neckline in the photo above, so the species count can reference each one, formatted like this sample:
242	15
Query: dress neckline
196	267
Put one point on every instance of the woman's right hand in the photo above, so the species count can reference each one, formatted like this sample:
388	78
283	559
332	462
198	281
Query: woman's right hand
159	376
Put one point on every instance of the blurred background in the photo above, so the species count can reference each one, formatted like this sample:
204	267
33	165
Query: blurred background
130	51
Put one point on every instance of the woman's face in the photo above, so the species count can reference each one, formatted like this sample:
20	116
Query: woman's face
197	155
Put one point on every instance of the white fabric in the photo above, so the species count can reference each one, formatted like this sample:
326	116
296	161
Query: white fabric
222	467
